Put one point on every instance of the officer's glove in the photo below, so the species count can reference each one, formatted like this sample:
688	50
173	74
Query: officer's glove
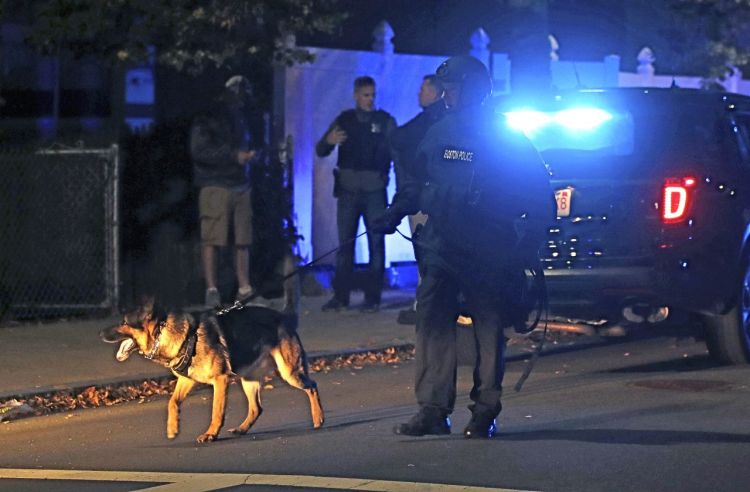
386	223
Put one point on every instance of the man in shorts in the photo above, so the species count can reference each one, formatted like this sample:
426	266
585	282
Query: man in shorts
221	156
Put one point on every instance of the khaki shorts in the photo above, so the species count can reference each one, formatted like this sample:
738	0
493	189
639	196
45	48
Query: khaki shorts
219	209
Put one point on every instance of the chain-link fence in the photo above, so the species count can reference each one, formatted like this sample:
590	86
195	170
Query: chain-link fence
58	231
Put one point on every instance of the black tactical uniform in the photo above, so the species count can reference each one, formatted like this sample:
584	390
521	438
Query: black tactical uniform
406	138
360	184
404	142
487	194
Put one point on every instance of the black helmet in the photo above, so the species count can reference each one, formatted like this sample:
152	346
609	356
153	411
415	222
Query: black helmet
471	73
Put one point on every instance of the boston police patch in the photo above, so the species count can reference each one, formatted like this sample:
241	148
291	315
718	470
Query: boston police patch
453	154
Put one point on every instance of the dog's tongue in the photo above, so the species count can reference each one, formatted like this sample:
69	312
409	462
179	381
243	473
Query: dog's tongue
126	347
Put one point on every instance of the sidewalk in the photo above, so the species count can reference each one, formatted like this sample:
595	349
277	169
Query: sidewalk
65	355
68	355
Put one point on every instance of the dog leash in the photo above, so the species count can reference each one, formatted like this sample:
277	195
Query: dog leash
543	304
256	294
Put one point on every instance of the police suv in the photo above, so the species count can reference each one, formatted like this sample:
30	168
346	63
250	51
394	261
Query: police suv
653	206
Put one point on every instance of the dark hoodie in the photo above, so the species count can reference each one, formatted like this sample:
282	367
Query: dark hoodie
215	140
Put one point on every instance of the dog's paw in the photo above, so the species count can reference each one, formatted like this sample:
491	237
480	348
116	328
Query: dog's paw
206	437
171	435
238	431
318	424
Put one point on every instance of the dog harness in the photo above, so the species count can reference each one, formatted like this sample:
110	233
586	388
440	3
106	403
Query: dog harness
186	353
181	362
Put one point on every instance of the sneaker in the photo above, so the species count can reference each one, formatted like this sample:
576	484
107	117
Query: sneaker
481	426
407	317
334	305
213	298
428	420
370	307
244	295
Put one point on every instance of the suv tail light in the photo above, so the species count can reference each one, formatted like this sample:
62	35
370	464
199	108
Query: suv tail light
676	199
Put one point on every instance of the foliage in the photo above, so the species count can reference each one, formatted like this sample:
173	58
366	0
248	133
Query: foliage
725	25
187	35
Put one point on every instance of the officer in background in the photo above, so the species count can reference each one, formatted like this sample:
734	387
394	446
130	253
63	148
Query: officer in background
488	199
404	143
360	181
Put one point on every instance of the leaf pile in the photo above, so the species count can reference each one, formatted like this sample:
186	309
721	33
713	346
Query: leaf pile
391	355
97	396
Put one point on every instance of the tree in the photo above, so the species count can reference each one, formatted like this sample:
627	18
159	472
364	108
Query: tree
186	35
725	26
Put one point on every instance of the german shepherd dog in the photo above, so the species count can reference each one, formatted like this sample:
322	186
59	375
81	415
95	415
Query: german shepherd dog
213	348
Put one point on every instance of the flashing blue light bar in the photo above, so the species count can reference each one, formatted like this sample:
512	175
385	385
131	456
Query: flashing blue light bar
583	119
576	119
527	121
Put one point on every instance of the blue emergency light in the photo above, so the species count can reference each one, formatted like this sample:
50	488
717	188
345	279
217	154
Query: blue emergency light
574	119
527	121
584	128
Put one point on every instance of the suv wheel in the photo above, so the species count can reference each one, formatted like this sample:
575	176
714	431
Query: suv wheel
728	335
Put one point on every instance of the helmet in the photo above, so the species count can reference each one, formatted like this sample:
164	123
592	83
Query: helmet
471	73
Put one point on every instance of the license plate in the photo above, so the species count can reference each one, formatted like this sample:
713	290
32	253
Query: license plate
563	198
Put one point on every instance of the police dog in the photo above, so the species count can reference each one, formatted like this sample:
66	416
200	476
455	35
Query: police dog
213	348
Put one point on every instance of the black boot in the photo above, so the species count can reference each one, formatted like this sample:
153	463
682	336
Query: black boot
407	317
334	305
428	420
481	426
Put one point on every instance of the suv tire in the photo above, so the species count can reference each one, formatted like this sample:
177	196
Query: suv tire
728	335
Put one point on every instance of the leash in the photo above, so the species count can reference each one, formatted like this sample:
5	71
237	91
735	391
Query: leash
542	305
256	294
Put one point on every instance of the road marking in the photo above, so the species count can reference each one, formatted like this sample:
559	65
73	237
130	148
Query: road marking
204	482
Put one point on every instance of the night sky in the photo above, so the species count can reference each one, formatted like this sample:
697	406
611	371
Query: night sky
587	30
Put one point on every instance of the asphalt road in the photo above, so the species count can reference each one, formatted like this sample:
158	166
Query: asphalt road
650	414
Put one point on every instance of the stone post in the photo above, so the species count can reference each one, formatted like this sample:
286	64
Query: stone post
554	46
382	38
611	71
480	41
732	80
645	68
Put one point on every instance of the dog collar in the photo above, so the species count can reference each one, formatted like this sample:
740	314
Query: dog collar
157	342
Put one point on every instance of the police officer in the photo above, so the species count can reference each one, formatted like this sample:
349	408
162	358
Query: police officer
360	181
404	143
487	195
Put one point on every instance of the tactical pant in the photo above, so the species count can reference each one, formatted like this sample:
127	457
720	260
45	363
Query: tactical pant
437	309
351	206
